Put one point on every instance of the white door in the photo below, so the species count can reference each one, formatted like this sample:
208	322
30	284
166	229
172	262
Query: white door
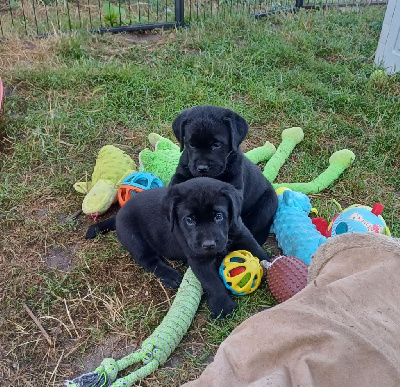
388	51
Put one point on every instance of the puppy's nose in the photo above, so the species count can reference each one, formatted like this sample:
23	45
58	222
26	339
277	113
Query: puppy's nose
208	245
202	168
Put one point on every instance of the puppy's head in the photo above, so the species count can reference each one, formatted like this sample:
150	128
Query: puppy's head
208	135
202	210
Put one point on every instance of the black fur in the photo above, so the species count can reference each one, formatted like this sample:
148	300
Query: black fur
210	138
197	222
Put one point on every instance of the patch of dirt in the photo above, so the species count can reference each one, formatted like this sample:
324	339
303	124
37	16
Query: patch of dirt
113	346
59	258
271	245
25	52
142	37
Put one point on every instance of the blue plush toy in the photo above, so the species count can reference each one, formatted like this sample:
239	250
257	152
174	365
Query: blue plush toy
295	232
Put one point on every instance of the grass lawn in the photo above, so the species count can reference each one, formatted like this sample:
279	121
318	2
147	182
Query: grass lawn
68	96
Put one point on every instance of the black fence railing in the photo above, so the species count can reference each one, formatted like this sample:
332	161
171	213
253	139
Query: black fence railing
43	17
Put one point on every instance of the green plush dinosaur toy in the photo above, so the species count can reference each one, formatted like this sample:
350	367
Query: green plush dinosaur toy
163	161
112	166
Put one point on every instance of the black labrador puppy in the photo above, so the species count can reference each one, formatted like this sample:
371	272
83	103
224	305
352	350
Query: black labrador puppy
210	139
197	222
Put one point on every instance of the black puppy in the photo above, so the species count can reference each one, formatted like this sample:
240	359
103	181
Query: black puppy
210	139
197	222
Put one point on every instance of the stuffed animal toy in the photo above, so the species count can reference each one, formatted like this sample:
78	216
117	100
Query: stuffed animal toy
353	219
294	230
112	166
163	161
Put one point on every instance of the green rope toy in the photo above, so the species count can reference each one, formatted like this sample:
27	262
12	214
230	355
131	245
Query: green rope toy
156	349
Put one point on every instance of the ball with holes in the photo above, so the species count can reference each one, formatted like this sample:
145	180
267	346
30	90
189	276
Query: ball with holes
286	276
241	272
137	182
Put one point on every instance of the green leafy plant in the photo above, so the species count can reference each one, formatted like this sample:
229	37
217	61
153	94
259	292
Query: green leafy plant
114	15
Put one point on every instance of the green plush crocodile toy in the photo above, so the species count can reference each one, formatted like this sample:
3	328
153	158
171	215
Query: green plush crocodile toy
163	161
112	166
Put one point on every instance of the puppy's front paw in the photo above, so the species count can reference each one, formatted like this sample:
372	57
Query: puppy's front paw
169	277
92	232
263	256
220	307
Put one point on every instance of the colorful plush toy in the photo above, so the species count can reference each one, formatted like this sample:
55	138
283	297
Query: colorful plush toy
295	232
299	235
137	182
359	218
356	218
112	166
241	272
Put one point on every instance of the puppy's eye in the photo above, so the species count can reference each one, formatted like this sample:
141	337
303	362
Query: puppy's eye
191	144
189	221
218	217
216	145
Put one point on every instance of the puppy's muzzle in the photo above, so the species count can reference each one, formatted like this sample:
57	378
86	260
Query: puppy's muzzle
209	245
202	168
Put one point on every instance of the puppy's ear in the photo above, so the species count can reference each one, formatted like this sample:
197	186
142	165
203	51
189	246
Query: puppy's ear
239	128
234	199
178	126
169	203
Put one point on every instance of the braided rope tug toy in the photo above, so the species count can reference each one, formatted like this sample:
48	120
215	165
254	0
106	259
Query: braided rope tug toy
156	349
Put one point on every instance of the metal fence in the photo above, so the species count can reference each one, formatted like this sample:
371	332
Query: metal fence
42	17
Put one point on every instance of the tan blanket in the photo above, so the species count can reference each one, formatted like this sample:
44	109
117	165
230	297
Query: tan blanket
342	329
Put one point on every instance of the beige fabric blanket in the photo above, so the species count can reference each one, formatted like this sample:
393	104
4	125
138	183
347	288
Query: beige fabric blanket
342	329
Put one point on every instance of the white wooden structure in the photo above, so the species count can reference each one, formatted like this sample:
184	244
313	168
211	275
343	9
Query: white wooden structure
388	51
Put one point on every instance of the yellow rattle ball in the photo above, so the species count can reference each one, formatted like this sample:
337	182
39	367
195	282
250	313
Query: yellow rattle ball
241	272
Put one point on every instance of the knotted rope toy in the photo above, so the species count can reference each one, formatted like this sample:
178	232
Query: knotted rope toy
156	349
